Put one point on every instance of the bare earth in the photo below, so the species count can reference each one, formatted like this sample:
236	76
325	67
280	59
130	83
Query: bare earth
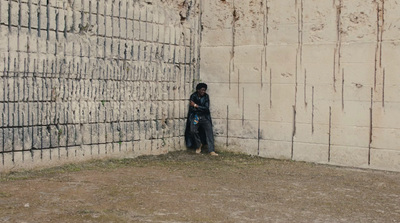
185	187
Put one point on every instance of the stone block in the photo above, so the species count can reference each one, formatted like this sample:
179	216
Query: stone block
12	48
218	108
27	159
249	74
305	134
62	22
70	135
36	156
282	95
87	134
136	29
130	147
216	61
45	137
109	150
220	144
276	131
321	110
3	13
116	32
84	152
355	113
355	19
26	138
8	163
103	149
384	117
351	136
43	18
51	17
279	14
385	138
18	158
319	23
389	50
275	149
107	27
24	11
62	153
125	147
46	157
353	92
245	146
224	10
129	29
62	135
282	64
219	127
385	159
217	38
390	94
239	129
107	7
53	136
283	34
317	62
249	35
349	156
142	130
304	107
310	152
358	54
182	125
14	13
96	152
147	146
101	26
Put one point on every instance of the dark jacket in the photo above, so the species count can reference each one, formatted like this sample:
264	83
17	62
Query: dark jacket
203	109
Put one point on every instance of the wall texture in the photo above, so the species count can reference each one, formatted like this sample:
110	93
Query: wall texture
305	80
89	79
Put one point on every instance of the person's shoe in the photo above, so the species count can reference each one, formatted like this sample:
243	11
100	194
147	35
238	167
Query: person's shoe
213	153
198	150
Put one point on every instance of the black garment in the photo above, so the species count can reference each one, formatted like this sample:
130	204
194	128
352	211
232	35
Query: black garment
202	132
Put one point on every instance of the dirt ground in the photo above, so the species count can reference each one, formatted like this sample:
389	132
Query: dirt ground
185	187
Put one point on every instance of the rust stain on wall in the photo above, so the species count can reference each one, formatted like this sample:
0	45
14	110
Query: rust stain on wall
235	18
380	21
337	51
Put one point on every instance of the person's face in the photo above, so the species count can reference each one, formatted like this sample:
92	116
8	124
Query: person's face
201	92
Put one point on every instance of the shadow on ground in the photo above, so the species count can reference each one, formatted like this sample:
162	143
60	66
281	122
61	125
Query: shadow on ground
185	187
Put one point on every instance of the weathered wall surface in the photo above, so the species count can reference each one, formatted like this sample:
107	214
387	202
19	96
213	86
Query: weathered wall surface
305	80
87	79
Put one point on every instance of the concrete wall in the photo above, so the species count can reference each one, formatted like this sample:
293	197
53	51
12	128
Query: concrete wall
306	80
87	79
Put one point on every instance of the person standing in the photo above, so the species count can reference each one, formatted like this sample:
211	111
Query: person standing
199	124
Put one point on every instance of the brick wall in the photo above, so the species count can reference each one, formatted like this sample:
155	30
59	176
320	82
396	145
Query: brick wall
306	80
89	79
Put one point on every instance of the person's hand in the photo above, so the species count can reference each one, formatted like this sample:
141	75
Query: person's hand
193	104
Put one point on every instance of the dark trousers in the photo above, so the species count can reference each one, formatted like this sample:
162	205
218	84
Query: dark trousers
206	125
